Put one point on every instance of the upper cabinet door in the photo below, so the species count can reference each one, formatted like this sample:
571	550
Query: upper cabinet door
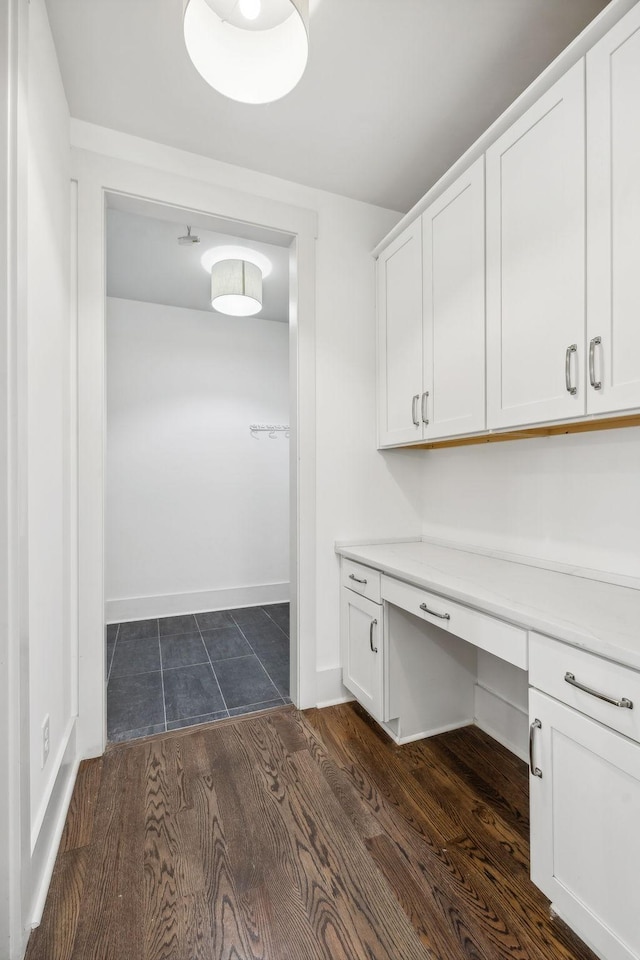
400	339
454	308
613	218
536	261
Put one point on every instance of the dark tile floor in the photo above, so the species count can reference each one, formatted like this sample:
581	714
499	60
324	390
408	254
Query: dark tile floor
179	671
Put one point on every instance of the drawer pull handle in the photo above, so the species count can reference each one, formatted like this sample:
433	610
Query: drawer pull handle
624	702
352	576
536	771
441	616
372	625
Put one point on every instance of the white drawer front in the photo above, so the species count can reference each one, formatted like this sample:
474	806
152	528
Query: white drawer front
363	580
503	640
551	660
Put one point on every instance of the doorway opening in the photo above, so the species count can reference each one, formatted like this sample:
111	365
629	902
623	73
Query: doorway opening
198	502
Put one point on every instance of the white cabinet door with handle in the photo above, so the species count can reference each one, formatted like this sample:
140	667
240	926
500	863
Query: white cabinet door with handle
361	630
613	218
453	228
399	270
585	816
536	263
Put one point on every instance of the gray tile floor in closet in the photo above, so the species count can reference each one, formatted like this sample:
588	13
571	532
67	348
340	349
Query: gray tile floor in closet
179	671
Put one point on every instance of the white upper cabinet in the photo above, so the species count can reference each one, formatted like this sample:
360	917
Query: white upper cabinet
400	339
613	218
536	263
453	400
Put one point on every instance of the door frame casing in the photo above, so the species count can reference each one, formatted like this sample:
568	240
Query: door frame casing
96	176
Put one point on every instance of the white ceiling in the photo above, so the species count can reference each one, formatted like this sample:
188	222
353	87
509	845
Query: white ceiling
394	92
145	261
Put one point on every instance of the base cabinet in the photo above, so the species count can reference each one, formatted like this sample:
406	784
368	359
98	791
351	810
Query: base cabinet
362	636
585	817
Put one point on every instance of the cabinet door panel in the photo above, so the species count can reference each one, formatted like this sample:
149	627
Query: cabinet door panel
362	650
454	307
400	338
613	226
585	842
535	260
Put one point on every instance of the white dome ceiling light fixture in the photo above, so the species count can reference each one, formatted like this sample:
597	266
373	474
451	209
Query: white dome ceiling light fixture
236	288
253	51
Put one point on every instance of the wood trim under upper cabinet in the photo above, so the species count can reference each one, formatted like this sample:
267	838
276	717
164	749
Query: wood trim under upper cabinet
581	426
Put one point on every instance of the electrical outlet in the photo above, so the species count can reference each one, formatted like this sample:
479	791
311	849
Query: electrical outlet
46	740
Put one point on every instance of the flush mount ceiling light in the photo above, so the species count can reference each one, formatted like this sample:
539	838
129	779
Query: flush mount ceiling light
254	51
216	254
236	288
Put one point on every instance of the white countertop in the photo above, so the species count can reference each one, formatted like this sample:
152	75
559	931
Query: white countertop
600	617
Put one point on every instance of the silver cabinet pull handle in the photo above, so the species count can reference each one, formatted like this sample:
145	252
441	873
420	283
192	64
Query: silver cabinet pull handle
624	702
371	626
536	771
441	616
352	576
567	369
425	397
596	384
414	408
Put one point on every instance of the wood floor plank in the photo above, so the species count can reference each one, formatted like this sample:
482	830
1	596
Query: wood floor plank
280	916
471	814
524	906
289	836
337	875
450	896
78	828
378	764
423	914
62	908
228	936
495	784
164	860
357	811
110	921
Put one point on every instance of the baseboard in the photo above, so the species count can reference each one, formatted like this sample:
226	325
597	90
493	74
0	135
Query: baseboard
175	604
48	832
330	689
423	734
505	722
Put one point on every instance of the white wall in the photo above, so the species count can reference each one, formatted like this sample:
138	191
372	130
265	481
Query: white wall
50	448
197	510
572	499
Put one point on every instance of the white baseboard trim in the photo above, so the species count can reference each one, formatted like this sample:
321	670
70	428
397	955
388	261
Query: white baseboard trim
200	601
412	737
330	689
505	722
46	837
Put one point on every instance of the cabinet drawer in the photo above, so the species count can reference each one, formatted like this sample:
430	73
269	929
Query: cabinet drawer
503	640
551	660
363	580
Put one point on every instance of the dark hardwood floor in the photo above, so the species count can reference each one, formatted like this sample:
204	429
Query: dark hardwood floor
293	836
